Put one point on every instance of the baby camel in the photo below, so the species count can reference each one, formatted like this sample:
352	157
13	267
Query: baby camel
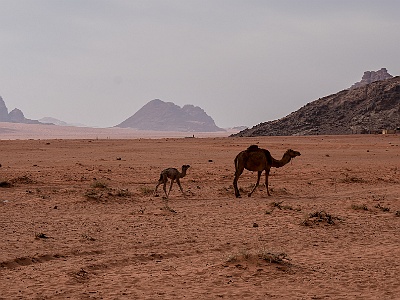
172	174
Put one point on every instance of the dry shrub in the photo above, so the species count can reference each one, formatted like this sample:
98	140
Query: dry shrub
23	180
100	191
274	258
99	185
122	193
94	194
169	209
279	191
41	235
146	191
283	207
359	207
263	254
88	237
81	276
387	180
319	217
382	208
351	179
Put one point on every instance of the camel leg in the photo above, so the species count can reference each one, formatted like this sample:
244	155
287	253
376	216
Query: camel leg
258	181
179	184
155	190
162	180
170	187
165	188
235	181
235	186
266	180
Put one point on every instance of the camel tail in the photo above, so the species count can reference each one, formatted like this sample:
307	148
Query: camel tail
161	178
268	155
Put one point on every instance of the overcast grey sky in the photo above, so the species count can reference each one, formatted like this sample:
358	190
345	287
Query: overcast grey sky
244	62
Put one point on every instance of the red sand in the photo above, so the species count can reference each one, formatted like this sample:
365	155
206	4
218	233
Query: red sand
116	240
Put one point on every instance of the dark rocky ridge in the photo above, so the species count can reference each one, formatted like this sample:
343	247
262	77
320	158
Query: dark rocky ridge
4	117
14	116
369	108
158	115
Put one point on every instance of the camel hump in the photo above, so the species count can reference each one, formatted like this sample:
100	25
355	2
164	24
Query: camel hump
252	148
268	156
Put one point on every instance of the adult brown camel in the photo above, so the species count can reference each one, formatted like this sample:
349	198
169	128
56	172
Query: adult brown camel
172	174
258	159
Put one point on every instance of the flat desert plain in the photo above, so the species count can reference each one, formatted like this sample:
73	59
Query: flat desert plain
79	220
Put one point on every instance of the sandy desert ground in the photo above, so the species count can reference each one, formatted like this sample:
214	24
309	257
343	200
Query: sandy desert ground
12	131
79	220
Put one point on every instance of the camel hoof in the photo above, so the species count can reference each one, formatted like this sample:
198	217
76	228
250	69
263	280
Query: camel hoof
238	196
249	195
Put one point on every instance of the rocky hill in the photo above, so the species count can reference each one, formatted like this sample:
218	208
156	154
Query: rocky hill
14	116
365	109
166	116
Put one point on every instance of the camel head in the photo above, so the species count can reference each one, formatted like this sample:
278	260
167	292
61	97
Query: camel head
185	167
292	153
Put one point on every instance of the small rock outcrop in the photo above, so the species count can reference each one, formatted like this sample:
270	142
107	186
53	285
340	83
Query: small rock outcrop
158	115
372	76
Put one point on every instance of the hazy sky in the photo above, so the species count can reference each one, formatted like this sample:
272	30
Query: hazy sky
244	62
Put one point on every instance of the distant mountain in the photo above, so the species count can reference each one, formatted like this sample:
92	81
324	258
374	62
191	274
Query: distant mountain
14	116
368	108
240	127
158	115
54	121
17	116
4	117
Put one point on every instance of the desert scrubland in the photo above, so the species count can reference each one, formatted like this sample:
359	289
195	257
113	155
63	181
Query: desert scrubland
79	220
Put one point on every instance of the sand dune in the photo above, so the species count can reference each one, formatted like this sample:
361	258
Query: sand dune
79	219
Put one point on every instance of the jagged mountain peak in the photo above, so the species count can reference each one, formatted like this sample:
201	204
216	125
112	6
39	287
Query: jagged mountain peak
166	116
372	76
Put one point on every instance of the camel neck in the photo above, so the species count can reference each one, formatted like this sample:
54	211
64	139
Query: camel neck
280	163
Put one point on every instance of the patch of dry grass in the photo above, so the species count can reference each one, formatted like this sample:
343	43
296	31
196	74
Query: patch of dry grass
146	191
351	179
319	217
271	257
359	207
